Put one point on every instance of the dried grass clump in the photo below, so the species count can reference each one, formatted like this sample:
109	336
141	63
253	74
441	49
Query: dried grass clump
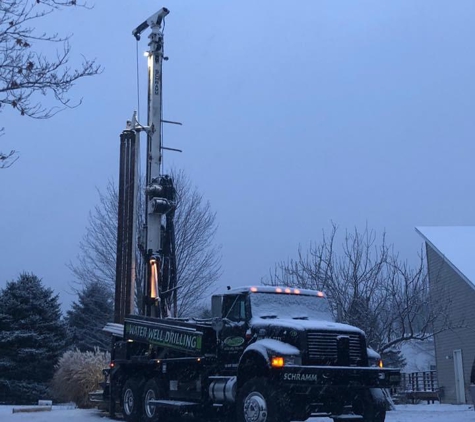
77	374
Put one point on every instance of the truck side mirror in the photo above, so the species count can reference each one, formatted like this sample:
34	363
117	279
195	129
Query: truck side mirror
216	306
217	324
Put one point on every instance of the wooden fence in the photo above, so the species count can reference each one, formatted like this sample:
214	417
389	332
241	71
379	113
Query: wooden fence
418	386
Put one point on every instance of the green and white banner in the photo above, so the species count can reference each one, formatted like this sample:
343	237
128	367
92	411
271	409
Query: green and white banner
166	336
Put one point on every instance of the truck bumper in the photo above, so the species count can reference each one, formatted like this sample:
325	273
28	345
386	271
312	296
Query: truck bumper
334	376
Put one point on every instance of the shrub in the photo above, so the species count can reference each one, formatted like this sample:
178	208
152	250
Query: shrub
77	374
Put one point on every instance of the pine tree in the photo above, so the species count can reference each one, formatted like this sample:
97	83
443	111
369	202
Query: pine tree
393	358
87	318
32	338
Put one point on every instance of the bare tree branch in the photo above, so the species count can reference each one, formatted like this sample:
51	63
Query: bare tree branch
198	257
27	75
7	160
369	286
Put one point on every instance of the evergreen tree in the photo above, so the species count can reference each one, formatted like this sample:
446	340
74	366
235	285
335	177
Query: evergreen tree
87	318
393	359
32	338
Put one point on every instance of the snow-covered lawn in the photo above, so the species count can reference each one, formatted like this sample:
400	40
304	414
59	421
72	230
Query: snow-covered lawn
431	413
58	414
403	413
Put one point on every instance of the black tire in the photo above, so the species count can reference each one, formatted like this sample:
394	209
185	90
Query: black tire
369	407
152	391
209	413
258	401
131	401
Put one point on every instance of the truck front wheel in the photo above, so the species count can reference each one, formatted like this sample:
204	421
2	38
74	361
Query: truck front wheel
130	401
257	401
371	406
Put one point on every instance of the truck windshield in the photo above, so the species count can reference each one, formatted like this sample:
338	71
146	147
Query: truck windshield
272	305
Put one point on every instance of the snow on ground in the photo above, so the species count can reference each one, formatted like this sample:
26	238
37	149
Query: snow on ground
403	413
432	413
58	414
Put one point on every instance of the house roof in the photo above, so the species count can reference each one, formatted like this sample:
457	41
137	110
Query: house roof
456	245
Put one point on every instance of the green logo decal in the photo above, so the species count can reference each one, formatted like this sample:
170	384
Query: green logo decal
234	341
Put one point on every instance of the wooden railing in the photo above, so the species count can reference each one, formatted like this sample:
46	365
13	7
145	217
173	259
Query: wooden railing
419	381
419	386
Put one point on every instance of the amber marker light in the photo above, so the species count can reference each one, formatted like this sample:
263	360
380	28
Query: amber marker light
253	289
320	294
288	290
277	362
297	291
380	363
278	290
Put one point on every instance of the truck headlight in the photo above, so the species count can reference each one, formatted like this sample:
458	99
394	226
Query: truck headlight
293	360
280	361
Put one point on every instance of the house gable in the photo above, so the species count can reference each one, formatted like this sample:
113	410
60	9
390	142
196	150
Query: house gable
455	245
454	295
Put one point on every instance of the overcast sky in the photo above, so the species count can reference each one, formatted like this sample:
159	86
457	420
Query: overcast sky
295	114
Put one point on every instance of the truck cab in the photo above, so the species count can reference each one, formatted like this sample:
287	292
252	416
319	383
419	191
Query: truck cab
285	342
294	317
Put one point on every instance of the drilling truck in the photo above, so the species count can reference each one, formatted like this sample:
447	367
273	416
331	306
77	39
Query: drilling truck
267	354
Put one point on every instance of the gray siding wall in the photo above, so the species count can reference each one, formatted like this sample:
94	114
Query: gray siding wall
448	287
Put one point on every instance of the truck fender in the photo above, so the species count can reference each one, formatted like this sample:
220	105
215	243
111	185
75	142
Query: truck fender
268	347
255	361
378	395
255	350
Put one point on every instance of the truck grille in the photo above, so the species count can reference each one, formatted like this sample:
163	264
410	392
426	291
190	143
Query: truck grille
323	348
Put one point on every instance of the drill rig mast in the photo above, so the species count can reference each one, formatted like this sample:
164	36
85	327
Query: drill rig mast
158	247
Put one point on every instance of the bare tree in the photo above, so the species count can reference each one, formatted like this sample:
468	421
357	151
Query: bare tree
369	286
27	75
198	257
96	261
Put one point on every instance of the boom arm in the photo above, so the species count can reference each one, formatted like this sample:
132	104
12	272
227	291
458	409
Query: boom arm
160	193
158	242
154	20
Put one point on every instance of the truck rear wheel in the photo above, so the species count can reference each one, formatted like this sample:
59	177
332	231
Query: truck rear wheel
130	401
152	391
257	401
